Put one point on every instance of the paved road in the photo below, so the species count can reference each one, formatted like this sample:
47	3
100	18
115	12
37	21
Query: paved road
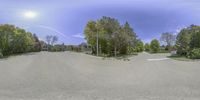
76	76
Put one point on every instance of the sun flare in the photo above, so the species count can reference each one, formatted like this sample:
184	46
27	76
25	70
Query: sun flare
30	14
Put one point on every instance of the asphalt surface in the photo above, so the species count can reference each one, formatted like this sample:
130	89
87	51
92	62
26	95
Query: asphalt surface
77	76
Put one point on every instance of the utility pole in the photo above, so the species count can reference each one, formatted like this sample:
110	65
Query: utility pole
115	45
97	43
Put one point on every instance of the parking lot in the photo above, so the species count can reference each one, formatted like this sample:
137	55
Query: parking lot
77	76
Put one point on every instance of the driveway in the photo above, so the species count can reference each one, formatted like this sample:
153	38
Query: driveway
77	76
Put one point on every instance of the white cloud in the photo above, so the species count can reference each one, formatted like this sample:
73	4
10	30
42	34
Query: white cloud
79	35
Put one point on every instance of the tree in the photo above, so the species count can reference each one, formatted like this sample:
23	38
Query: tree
131	38
43	45
183	41
168	39
147	47
58	48
188	39
128	39
139	46
54	40
155	46
108	29
7	33
194	53
108	37
195	40
90	33
15	40
48	39
37	44
1	55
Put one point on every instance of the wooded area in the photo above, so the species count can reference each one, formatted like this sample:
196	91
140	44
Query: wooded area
105	37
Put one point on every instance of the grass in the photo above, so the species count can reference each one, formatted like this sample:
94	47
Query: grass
125	57
17	54
180	58
118	57
157	52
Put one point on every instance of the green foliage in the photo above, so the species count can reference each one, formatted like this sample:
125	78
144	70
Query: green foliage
131	50
188	39
139	46
194	54
112	37
155	46
188	42
91	34
73	48
37	44
58	48
15	40
1	55
195	40
183	41
147	47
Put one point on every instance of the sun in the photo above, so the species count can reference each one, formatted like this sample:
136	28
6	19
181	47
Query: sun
30	14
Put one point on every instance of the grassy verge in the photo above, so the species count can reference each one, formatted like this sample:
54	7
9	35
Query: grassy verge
180	58
17	54
118	57
125	57
157	52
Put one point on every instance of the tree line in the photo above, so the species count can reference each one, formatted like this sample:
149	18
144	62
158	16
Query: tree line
164	45
106	36
14	40
188	42
185	43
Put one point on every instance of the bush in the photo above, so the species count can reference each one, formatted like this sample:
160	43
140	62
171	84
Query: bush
131	50
194	54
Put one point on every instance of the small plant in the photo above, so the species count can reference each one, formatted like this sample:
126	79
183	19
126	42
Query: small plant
194	54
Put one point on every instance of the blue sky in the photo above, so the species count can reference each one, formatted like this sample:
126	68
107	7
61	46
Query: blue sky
67	18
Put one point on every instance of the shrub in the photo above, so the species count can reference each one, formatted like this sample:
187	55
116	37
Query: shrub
131	50
194	54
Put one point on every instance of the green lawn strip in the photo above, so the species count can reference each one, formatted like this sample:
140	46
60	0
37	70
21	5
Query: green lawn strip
181	58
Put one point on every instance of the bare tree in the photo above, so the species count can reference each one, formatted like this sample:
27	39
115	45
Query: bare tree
48	39
54	40
168	38
51	40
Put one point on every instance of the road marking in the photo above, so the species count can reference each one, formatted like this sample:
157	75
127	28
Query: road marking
159	59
